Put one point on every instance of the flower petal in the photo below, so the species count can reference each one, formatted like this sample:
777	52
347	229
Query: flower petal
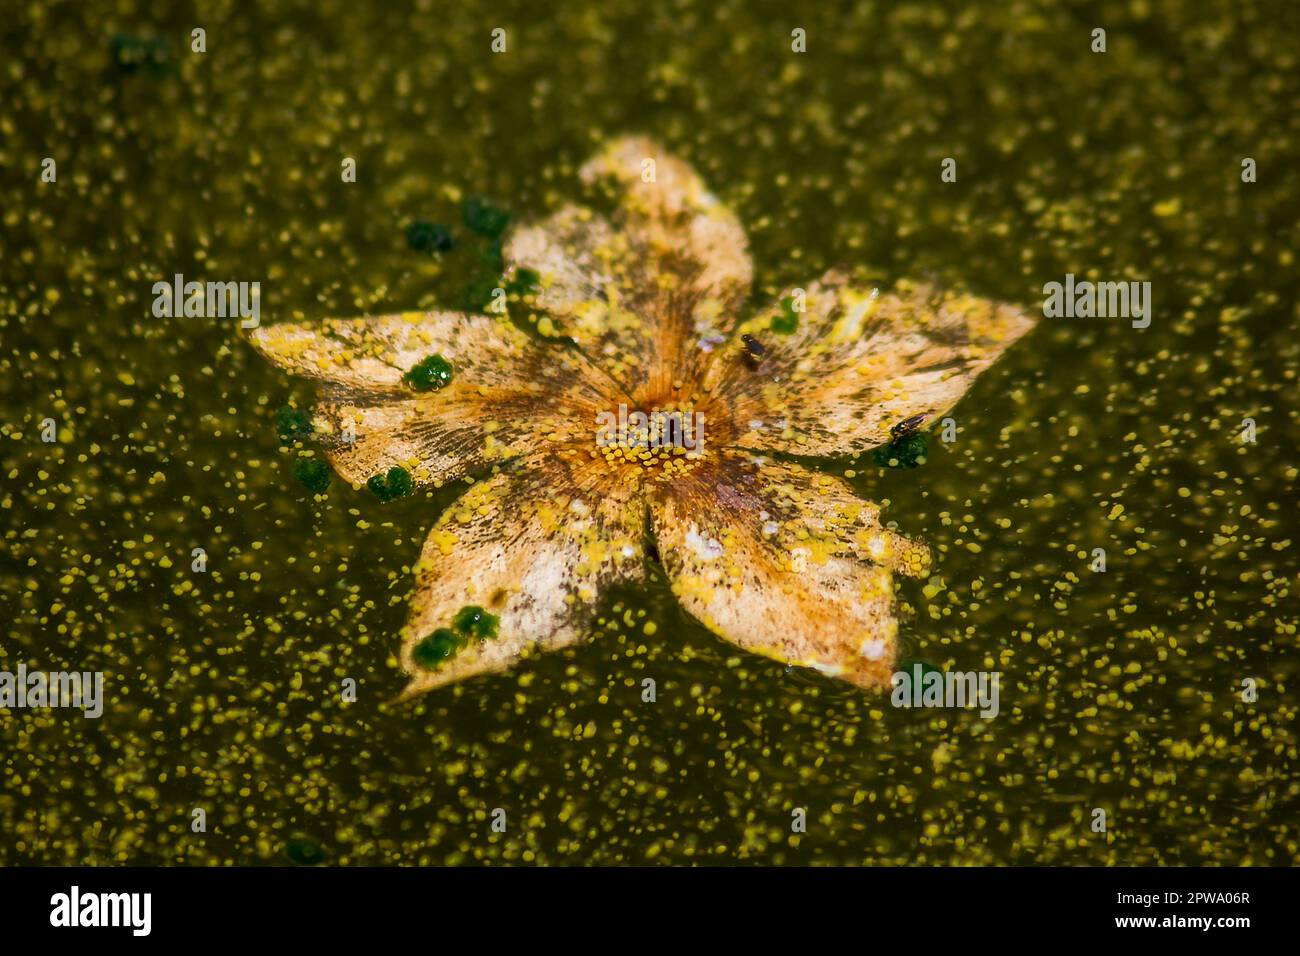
534	546
373	354
766	555
641	294
807	514
507	391
858	362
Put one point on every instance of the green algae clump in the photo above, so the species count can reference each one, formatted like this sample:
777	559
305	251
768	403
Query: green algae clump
439	646
304	852
423	236
525	282
292	424
907	452
429	375
788	321
312	473
396	484
484	218
475	622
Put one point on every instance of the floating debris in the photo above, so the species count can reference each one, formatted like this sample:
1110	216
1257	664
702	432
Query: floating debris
131	53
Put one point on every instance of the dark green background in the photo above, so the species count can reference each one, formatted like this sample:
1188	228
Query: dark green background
1120	690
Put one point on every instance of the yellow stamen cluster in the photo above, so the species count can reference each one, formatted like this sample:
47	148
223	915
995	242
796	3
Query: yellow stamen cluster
653	449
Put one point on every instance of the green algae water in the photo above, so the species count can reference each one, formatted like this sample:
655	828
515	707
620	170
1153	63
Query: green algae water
162	525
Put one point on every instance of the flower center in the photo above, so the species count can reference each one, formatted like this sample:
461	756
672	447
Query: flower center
662	443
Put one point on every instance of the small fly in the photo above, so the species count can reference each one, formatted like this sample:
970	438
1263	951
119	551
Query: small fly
906	427
754	349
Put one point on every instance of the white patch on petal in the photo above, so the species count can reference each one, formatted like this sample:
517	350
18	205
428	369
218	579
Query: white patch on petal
579	508
705	548
770	528
873	649
756	425
544	586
